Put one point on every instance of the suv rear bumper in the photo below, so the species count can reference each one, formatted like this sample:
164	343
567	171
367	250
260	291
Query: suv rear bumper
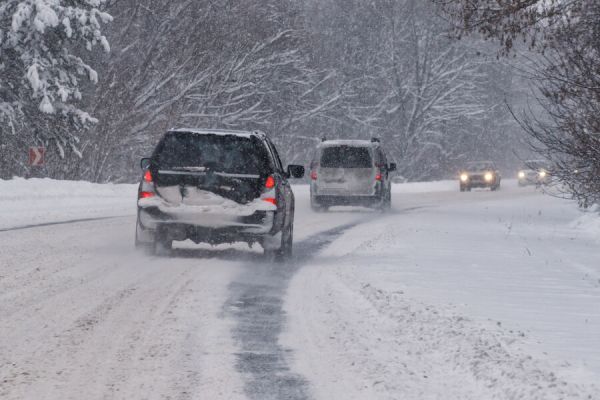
252	228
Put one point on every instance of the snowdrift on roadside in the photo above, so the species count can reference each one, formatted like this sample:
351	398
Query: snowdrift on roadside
589	222
25	202
425	187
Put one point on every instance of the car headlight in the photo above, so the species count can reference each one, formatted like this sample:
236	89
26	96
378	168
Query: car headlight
488	176
521	174
542	174
464	177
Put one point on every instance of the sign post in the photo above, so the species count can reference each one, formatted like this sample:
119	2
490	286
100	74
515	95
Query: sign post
37	156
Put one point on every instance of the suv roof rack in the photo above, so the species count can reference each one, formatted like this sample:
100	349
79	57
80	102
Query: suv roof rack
323	139
375	140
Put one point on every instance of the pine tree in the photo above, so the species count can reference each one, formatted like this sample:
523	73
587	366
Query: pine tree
42	69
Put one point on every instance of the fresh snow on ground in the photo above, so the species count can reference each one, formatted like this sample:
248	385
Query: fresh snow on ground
589	222
37	201
481	295
84	316
424	187
453	296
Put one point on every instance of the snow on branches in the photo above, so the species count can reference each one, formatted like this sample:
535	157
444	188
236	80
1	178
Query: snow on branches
508	21
565	71
39	68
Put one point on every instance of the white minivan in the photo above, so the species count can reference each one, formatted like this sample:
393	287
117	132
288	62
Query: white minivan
350	173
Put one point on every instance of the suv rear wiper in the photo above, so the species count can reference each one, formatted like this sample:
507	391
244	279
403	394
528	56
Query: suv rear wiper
205	170
190	169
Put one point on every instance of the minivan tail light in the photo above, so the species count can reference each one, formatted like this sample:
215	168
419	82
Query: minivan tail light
270	182
148	176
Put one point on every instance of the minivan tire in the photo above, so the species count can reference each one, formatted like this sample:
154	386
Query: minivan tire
385	201
316	206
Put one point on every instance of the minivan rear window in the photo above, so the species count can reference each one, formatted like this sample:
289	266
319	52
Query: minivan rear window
218	153
346	157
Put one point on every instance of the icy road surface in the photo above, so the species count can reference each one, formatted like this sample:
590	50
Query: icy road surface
449	296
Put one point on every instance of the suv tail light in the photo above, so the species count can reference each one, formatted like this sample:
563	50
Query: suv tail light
270	182
147	188
378	177
313	175
270	195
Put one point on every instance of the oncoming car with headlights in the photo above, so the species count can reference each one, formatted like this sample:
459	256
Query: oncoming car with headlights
534	172
216	186
479	174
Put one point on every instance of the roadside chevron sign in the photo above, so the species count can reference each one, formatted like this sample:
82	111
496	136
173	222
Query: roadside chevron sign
37	156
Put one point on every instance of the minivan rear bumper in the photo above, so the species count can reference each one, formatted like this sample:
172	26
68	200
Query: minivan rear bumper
364	201
324	190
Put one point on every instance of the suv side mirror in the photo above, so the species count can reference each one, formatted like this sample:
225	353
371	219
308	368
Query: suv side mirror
145	163
295	171
392	167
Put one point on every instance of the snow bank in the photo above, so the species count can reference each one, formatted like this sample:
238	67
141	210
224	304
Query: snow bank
380	344
408	187
589	223
25	202
480	295
425	187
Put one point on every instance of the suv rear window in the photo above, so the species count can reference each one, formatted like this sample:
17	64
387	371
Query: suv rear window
346	157
218	153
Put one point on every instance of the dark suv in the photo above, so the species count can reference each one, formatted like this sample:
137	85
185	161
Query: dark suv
215	187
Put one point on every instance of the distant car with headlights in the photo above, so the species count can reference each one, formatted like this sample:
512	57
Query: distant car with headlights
350	173
534	172
479	174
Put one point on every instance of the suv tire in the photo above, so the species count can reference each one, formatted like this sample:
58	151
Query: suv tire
163	246
284	252
146	247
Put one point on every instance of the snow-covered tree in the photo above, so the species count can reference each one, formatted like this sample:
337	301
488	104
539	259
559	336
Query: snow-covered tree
566	36
42	64
404	80
298	70
199	63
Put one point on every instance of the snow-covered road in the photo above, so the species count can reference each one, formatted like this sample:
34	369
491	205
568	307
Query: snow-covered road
449	296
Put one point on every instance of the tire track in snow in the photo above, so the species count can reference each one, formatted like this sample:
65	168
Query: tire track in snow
133	331
71	221
255	304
